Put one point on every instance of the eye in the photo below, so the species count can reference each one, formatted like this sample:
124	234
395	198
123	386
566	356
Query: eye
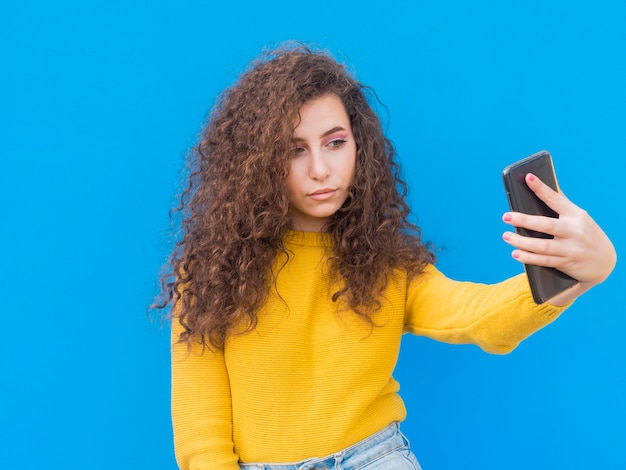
336	143
295	151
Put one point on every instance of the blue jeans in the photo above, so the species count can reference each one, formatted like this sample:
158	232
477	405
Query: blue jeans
386	450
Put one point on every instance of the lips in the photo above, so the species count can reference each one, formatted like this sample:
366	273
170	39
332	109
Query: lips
322	194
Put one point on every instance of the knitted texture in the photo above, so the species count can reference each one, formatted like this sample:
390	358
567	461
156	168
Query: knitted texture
313	378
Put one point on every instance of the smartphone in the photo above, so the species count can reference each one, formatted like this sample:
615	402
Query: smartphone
544	282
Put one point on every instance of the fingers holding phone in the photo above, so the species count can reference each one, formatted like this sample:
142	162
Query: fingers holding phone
534	218
558	242
579	247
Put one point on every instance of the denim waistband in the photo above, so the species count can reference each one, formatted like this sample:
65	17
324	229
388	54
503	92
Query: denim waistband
382	443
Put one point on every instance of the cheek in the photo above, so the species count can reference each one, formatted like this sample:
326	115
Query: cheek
351	165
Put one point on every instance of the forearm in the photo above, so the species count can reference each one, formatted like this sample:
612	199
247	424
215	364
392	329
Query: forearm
571	294
495	317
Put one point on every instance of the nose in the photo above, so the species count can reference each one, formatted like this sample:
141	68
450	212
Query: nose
318	166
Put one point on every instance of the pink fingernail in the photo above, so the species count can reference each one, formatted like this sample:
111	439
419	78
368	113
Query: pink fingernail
507	236
515	254
507	217
531	177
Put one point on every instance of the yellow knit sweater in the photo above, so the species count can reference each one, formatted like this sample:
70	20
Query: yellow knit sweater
311	379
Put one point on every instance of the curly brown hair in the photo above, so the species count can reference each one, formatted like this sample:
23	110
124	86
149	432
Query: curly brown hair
235	209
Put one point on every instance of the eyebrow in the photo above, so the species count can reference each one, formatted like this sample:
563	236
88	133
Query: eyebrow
325	134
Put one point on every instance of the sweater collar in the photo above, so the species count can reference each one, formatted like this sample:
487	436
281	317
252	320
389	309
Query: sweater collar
323	239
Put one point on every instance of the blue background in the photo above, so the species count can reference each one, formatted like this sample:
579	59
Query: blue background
99	102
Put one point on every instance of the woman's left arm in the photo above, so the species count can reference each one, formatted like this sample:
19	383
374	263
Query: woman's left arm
580	248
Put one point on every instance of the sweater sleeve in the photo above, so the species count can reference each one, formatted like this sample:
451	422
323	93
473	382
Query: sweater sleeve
201	407
496	317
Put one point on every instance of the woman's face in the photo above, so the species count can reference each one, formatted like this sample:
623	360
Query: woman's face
322	164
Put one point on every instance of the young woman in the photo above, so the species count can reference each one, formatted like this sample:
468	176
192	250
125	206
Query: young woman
298	272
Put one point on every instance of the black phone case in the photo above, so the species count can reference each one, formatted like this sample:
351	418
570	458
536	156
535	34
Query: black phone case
544	282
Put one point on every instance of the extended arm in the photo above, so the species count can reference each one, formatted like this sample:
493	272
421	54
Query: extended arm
496	317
